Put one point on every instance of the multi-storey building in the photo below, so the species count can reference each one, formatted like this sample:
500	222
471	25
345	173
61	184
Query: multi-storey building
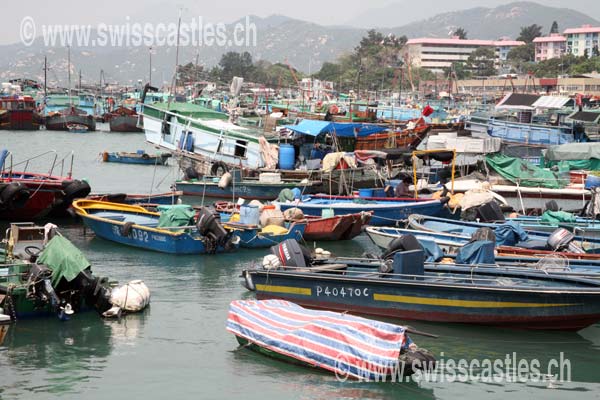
439	53
547	47
583	40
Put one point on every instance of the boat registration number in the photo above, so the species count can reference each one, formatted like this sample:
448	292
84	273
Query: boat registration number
135	234
342	292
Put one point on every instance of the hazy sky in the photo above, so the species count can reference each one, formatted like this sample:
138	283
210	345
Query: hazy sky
322	12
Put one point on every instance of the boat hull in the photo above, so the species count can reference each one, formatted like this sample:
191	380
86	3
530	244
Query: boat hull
249	191
339	227
124	123
510	307
150	160
253	239
60	122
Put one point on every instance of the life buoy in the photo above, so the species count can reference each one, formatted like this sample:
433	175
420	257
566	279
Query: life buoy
14	195
218	168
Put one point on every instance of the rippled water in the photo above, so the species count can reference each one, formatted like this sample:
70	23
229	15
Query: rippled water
179	349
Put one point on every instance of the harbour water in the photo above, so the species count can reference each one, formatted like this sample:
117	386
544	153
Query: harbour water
178	348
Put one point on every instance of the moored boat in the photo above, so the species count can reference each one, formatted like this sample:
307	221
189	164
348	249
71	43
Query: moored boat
139	157
128	198
384	212
43	273
175	229
367	349
60	120
254	237
124	119
409	291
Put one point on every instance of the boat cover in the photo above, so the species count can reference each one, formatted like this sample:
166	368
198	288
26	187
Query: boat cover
176	215
523	172
476	253
341	343
63	258
557	217
347	129
510	233
573	151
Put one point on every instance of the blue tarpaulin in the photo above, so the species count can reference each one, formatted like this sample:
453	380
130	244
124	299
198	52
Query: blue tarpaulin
510	233
345	129
480	252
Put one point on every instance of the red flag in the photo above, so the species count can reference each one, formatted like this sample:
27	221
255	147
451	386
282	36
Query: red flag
427	111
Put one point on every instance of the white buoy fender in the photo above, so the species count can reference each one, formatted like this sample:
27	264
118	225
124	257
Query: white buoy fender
132	297
225	180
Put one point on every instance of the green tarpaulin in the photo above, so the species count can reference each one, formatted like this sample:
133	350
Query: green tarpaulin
524	173
177	215
63	258
593	164
557	217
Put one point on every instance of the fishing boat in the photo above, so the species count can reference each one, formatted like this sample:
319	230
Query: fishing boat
254	237
139	157
42	274
559	239
127	198
77	128
337	227
60	120
408	291
175	229
367	349
408	138
29	196
450	244
124	119
384	212
266	186
18	113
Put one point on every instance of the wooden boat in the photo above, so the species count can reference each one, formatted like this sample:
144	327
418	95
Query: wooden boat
465	229
450	244
384	212
60	121
19	113
29	196
165	198
287	332
406	139
139	157
484	296
60	281
124	119
254	237
176	233
77	128
338	227
247	188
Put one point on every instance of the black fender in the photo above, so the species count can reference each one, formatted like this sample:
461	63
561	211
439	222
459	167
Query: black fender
145	156
14	196
125	229
218	165
75	189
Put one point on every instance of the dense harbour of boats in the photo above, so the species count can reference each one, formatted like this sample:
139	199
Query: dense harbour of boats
484	219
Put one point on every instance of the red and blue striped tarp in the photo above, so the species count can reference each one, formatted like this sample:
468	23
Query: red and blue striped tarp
341	343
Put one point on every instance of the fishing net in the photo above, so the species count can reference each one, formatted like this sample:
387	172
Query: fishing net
553	263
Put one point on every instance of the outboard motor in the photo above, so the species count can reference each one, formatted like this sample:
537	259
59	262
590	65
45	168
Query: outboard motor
490	212
562	240
39	286
402	243
95	291
209	225
292	254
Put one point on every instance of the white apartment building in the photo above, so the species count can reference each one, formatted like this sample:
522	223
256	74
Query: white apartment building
547	47
438	53
581	39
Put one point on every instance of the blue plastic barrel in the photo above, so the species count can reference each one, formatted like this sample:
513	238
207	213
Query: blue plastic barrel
287	156
140	152
592	181
365	192
379	192
249	215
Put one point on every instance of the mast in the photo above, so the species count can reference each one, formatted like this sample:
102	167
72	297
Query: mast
174	87
150	71
69	71
45	77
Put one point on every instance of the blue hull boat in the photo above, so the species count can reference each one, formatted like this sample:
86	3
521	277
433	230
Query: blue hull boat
247	189
466	229
484	296
136	158
252	237
384	212
137	227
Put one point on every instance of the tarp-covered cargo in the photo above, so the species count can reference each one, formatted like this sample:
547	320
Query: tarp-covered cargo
524	173
63	258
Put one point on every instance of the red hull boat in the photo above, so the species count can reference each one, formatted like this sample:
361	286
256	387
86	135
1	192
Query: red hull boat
27	196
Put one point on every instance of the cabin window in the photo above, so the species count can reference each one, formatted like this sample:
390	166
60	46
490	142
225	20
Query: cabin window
241	146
